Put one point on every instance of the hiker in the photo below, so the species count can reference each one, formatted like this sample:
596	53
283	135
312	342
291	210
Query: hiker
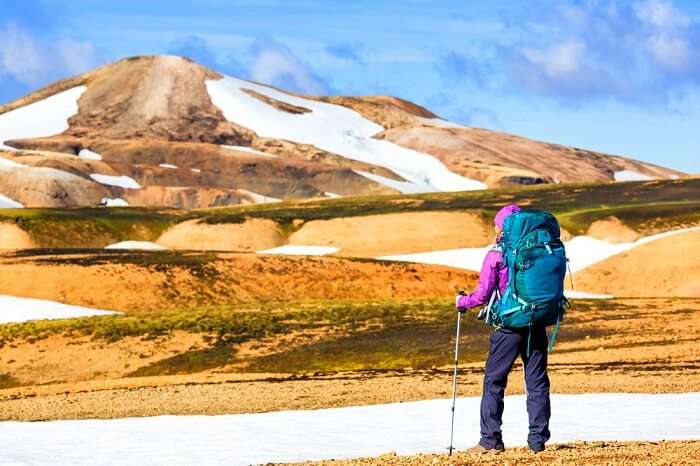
527	340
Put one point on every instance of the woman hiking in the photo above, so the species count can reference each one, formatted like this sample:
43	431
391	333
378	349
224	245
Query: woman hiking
505	345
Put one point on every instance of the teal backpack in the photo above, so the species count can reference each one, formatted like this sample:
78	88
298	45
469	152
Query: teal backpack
537	265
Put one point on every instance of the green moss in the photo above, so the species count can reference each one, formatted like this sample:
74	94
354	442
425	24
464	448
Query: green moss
7	381
90	227
418	345
189	362
355	335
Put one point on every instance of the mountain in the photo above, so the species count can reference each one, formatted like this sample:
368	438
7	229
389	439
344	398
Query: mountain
165	131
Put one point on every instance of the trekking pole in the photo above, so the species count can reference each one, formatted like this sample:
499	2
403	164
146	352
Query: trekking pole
454	385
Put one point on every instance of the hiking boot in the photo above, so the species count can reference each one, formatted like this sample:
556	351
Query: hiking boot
479	449
536	447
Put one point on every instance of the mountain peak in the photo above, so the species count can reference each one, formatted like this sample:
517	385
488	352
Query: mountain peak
191	137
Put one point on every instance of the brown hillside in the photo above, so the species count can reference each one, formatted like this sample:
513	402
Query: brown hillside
474	152
132	282
251	235
665	267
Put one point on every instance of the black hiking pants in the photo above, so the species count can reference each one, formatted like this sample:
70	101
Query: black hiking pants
505	347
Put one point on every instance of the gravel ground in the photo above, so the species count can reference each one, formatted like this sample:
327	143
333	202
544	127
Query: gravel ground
578	453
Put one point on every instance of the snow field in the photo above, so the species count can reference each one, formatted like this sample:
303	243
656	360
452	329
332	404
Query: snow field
118	202
136	245
87	154
340	433
585	251
332	128
125	182
7	203
46	117
13	309
259	198
629	175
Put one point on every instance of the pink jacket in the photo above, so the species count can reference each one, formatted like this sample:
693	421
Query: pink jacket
493	274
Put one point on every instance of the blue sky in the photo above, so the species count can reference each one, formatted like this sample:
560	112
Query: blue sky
617	76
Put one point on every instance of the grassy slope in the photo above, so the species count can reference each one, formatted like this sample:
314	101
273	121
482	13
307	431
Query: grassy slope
326	336
89	227
647	206
387	333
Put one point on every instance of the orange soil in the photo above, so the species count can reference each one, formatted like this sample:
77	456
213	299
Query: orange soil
13	237
61	358
252	235
612	230
377	235
101	281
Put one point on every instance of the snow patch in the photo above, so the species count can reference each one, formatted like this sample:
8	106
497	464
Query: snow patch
6	164
629	175
335	129
401	186
44	118
125	182
464	258
582	251
137	245
249	150
259	198
342	433
298	250
168	165
7	203
13	309
196	170
118	202
332	195
87	154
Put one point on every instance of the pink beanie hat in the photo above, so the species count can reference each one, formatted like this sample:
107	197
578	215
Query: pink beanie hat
504	212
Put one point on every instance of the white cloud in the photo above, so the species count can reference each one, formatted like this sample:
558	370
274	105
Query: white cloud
276	65
77	56
672	53
21	57
34	61
558	60
639	52
668	41
661	14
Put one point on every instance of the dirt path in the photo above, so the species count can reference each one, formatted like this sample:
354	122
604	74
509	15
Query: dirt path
580	453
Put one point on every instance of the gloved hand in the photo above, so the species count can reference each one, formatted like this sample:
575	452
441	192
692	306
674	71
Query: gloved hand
457	298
